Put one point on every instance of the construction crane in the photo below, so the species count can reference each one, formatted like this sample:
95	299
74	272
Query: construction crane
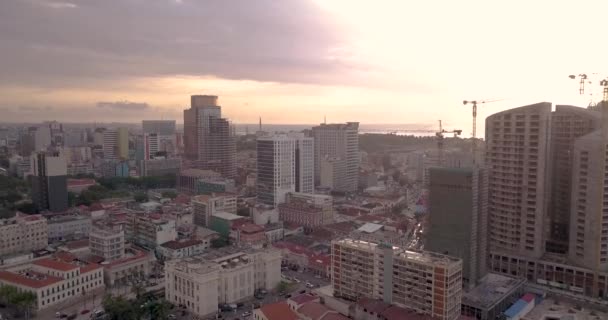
581	86
604	83
589	80
439	135
474	133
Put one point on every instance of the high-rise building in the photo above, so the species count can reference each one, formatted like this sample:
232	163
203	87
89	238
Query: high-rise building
588	245
304	163
49	181
427	282
458	218
208	138
276	174
568	123
116	144
517	144
160	127
338	141
151	145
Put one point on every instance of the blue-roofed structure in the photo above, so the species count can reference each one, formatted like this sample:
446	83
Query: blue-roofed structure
516	309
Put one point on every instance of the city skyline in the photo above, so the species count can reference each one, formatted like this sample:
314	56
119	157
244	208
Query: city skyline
327	60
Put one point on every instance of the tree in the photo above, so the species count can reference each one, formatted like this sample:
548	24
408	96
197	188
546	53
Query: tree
24	301
27	207
7	293
138	290
282	286
219	242
169	194
160	309
118	308
140	197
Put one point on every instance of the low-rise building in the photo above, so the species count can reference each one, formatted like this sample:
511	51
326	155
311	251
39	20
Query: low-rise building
160	167
248	234
274	232
226	275
182	248
224	222
205	206
54	280
79	185
23	233
107	243
188	178
275	311
492	296
373	232
68	227
135	264
149	231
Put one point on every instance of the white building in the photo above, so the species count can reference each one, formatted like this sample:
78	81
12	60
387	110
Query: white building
150	230
276	173
205	206
54	280
23	233
227	275
68	227
338	141
107	243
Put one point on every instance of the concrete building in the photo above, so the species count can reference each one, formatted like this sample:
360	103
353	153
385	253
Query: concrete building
132	266
275	311
308	210
23	233
149	231
177	249
333	170
162	127
68	227
304	162
494	294
517	144
54	280
276	174
338	141
48	180
151	146
205	206
227	275
187	180
107	242
160	167
209	138
568	124
426	282
458	218
116	143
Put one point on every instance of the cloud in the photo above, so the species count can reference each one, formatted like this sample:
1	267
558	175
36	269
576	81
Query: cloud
123	105
266	40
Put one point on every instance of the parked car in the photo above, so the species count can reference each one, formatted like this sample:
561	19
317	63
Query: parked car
246	314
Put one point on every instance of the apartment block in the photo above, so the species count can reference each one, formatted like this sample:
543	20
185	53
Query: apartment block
187	179
427	282
49	182
308	210
106	242
276	174
23	233
68	227
149	231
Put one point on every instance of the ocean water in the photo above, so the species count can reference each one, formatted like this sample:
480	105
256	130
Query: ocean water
397	129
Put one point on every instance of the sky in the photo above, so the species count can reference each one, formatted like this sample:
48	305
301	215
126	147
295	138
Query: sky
295	61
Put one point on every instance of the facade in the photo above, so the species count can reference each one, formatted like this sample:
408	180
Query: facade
304	163
205	206
209	138
227	275
162	127
276	173
324	202
151	146
177	249
49	182
494	294
54	280
71	227
160	167
517	143
23	233
187	180
458	218
116	144
149	231
338	141
107	243
567	125
426	282
134	265
333	170
301	213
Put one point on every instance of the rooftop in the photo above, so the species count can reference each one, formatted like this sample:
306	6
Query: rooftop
552	309
303	298
55	264
313	310
420	256
278	311
30	279
180	244
491	290
370	227
227	216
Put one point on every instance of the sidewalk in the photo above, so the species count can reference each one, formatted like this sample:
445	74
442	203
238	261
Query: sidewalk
91	301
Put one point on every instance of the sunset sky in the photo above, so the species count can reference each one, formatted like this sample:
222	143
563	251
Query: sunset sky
294	61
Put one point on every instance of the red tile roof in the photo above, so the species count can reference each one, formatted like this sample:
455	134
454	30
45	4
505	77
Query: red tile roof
55	264
278	311
137	256
313	310
373	305
303	298
398	313
89	267
249	228
334	316
78	244
31	282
